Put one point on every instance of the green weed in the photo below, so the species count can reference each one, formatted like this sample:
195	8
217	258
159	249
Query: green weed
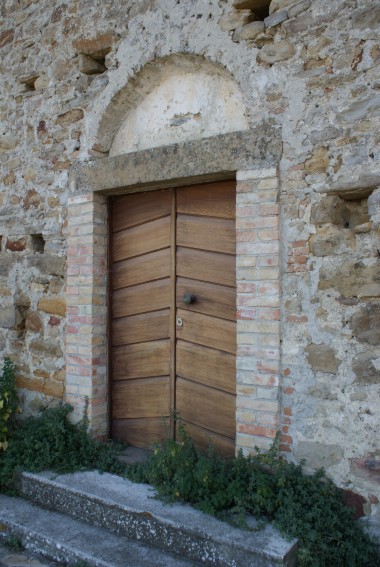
8	402
51	441
309	508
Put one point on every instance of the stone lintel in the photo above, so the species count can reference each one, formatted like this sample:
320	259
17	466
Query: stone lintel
354	186
209	159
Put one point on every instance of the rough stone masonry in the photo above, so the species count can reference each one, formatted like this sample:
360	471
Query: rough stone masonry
77	79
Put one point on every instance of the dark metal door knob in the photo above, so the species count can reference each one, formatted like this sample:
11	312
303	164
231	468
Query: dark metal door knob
189	298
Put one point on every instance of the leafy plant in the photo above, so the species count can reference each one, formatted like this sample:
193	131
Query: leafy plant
309	508
8	401
12	542
51	441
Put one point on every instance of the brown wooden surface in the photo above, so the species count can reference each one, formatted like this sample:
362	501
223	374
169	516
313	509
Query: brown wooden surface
138	208
206	266
141	239
147	397
211	299
141	328
207	366
142	432
202	438
141	360
204	233
207	331
134	271
217	200
142	298
165	244
206	407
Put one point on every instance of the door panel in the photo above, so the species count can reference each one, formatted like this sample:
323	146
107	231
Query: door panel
206	407
141	328
140	208
200	200
210	299
142	298
141	398
140	432
134	271
203	438
207	366
206	266
207	331
217	235
166	244
141	239
141	360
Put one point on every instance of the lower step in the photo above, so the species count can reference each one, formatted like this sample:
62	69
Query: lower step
67	541
130	510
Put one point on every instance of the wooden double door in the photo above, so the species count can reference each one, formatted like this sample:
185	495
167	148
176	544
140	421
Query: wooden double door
173	329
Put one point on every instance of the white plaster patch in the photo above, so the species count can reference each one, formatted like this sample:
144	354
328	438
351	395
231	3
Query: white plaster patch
184	106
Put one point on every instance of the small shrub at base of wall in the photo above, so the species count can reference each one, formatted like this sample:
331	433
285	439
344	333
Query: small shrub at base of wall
307	507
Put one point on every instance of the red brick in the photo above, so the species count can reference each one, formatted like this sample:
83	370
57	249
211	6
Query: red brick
71	330
269	314
257	430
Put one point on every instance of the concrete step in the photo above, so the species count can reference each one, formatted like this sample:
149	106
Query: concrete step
131	510
68	541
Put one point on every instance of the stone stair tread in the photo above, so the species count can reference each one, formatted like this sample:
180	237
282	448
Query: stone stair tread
65	539
119	504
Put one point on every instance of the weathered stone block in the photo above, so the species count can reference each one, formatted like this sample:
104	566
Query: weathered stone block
90	66
295	9
45	348
362	108
250	31
32	199
69	117
331	240
322	358
319	455
6	37
6	263
33	322
318	162
52	305
331	209
8	142
141	7
274	52
277	5
97	46
367	467
352	279
322	391
276	19
8	317
47	264
367	368
368	18
365	324
233	20
41	83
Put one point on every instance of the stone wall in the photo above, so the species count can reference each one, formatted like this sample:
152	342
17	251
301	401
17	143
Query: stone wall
72	71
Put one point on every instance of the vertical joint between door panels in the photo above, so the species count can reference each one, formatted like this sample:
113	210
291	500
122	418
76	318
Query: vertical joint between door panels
172	368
